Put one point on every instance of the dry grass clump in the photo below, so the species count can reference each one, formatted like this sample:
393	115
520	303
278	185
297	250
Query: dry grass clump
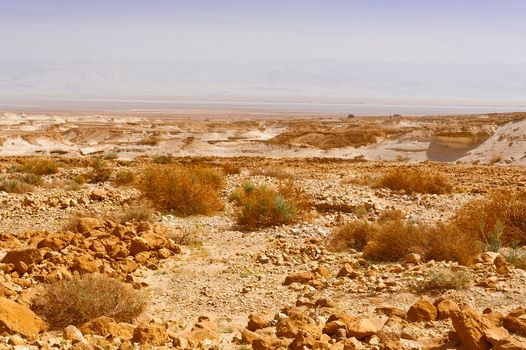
101	171
499	216
272	172
184	190
442	280
261	206
15	186
395	239
414	180
81	299
516	257
37	167
353	235
124	177
392	238
137	212
231	169
162	159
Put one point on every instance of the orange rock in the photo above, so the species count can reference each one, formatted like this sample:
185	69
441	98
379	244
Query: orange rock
422	310
18	318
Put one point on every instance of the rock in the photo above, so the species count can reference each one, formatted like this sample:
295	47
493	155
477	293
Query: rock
257	321
151	333
495	335
361	328
446	308
18	318
105	325
510	344
248	337
299	277
297	322
346	271
85	264
138	245
325	302
56	241
16	340
515	325
422	310
352	344
470	327
97	194
153	240
202	330
412	258
88	224
73	333
28	256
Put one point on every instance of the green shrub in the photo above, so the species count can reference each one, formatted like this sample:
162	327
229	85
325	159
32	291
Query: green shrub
100	172
261	205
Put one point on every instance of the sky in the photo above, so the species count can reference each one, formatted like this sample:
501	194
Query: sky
414	31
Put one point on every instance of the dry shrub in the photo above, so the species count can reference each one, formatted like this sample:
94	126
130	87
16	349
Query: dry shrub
183	190
499	214
124	177
101	171
81	299
162	159
451	243
80	179
37	167
272	172
261	206
394	239
391	215
137	212
231	169
32	179
353	235
516	257
15	186
414	180
442	280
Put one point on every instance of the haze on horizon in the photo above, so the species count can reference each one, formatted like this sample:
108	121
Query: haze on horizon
472	49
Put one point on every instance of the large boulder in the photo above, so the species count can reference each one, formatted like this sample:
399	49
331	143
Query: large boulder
28	256
470	328
18	318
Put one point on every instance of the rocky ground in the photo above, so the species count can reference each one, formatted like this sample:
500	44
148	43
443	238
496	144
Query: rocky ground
278	287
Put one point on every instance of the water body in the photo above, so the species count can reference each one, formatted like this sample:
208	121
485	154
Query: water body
358	109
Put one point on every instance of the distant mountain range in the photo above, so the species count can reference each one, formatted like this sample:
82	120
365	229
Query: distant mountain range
321	79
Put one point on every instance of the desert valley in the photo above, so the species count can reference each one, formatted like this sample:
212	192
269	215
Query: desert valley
231	230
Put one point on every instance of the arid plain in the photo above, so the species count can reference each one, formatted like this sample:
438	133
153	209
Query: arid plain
236	230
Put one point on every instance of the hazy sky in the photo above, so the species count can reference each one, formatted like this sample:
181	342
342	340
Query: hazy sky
463	31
